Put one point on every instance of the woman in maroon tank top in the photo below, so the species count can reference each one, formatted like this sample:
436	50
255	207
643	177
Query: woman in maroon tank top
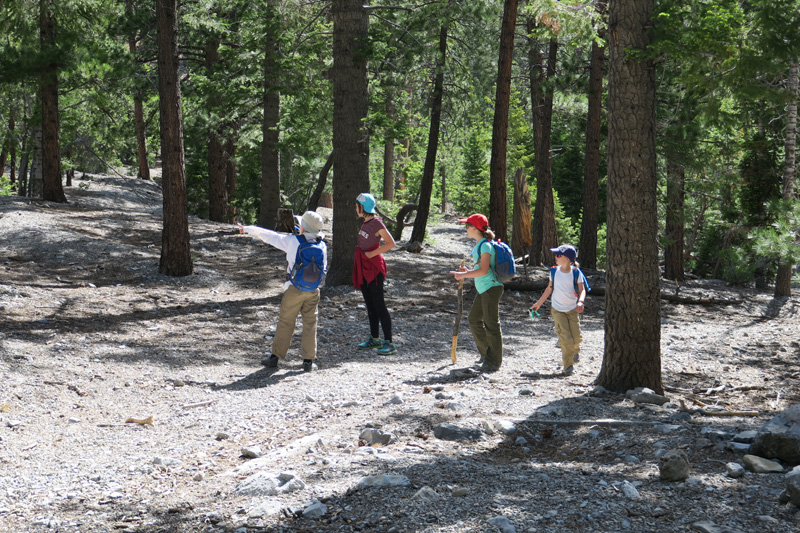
369	273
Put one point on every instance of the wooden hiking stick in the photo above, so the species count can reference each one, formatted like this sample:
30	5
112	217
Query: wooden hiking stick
459	311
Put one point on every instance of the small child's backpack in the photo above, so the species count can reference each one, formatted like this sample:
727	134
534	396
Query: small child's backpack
577	275
309	269
504	266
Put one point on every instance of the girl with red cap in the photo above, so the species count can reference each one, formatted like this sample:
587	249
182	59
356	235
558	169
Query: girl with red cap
484	316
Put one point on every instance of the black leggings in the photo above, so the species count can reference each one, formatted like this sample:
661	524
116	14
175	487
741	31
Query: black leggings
376	308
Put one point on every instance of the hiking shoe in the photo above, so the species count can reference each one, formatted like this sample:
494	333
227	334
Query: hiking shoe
387	348
271	361
370	343
576	358
308	365
569	370
488	369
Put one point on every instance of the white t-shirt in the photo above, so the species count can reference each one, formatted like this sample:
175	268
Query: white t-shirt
563	298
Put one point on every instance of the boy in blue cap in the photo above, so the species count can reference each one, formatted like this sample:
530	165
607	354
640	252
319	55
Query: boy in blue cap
566	304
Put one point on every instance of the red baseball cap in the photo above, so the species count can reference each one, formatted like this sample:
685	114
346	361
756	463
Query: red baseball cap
477	220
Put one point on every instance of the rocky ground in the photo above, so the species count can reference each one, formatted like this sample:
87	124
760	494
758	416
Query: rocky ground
131	401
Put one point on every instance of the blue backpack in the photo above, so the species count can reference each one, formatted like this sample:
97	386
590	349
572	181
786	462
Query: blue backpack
309	268
504	266
577	276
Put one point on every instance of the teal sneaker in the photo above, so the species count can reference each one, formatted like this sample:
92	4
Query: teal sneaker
370	343
387	349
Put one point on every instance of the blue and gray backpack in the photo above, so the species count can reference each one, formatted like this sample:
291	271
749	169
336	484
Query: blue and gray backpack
309	269
504	266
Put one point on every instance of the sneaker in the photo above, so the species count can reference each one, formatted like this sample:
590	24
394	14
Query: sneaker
308	365
271	361
576	358
569	370
370	343
486	368
387	348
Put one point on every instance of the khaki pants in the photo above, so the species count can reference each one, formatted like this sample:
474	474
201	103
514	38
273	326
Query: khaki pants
568	329
484	322
296	302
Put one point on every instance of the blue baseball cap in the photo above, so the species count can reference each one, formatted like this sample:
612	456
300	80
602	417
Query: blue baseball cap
567	250
367	201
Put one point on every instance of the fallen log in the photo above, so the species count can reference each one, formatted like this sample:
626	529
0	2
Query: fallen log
674	298
541	284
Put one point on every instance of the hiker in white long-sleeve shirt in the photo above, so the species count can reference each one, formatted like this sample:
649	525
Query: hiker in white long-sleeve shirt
305	274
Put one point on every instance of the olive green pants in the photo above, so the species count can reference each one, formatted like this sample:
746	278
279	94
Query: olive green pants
484	321
568	329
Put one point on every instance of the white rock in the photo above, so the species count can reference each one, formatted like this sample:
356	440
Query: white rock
315	510
503	524
383	480
629	490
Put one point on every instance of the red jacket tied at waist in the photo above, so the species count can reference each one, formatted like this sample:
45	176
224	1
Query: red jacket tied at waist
365	269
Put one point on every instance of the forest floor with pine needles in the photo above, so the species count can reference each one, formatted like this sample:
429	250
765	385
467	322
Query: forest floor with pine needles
132	401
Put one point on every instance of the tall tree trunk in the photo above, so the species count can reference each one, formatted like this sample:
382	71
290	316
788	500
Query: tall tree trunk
176	259
443	175
138	114
544	235
591	165
498	219
388	157
217	160
270	153
141	137
350	136
4	153
231	181
783	279
35	184
632	355
24	185
521	234
52	189
426	186
13	148
673	252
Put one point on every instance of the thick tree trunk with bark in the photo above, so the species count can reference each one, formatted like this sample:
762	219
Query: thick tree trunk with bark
52	189
673	252
543	235
176	259
591	167
350	136
270	154
783	279
498	220
521	234
35	176
426	187
632	355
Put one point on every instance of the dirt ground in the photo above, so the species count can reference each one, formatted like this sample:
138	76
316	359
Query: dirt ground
91	335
